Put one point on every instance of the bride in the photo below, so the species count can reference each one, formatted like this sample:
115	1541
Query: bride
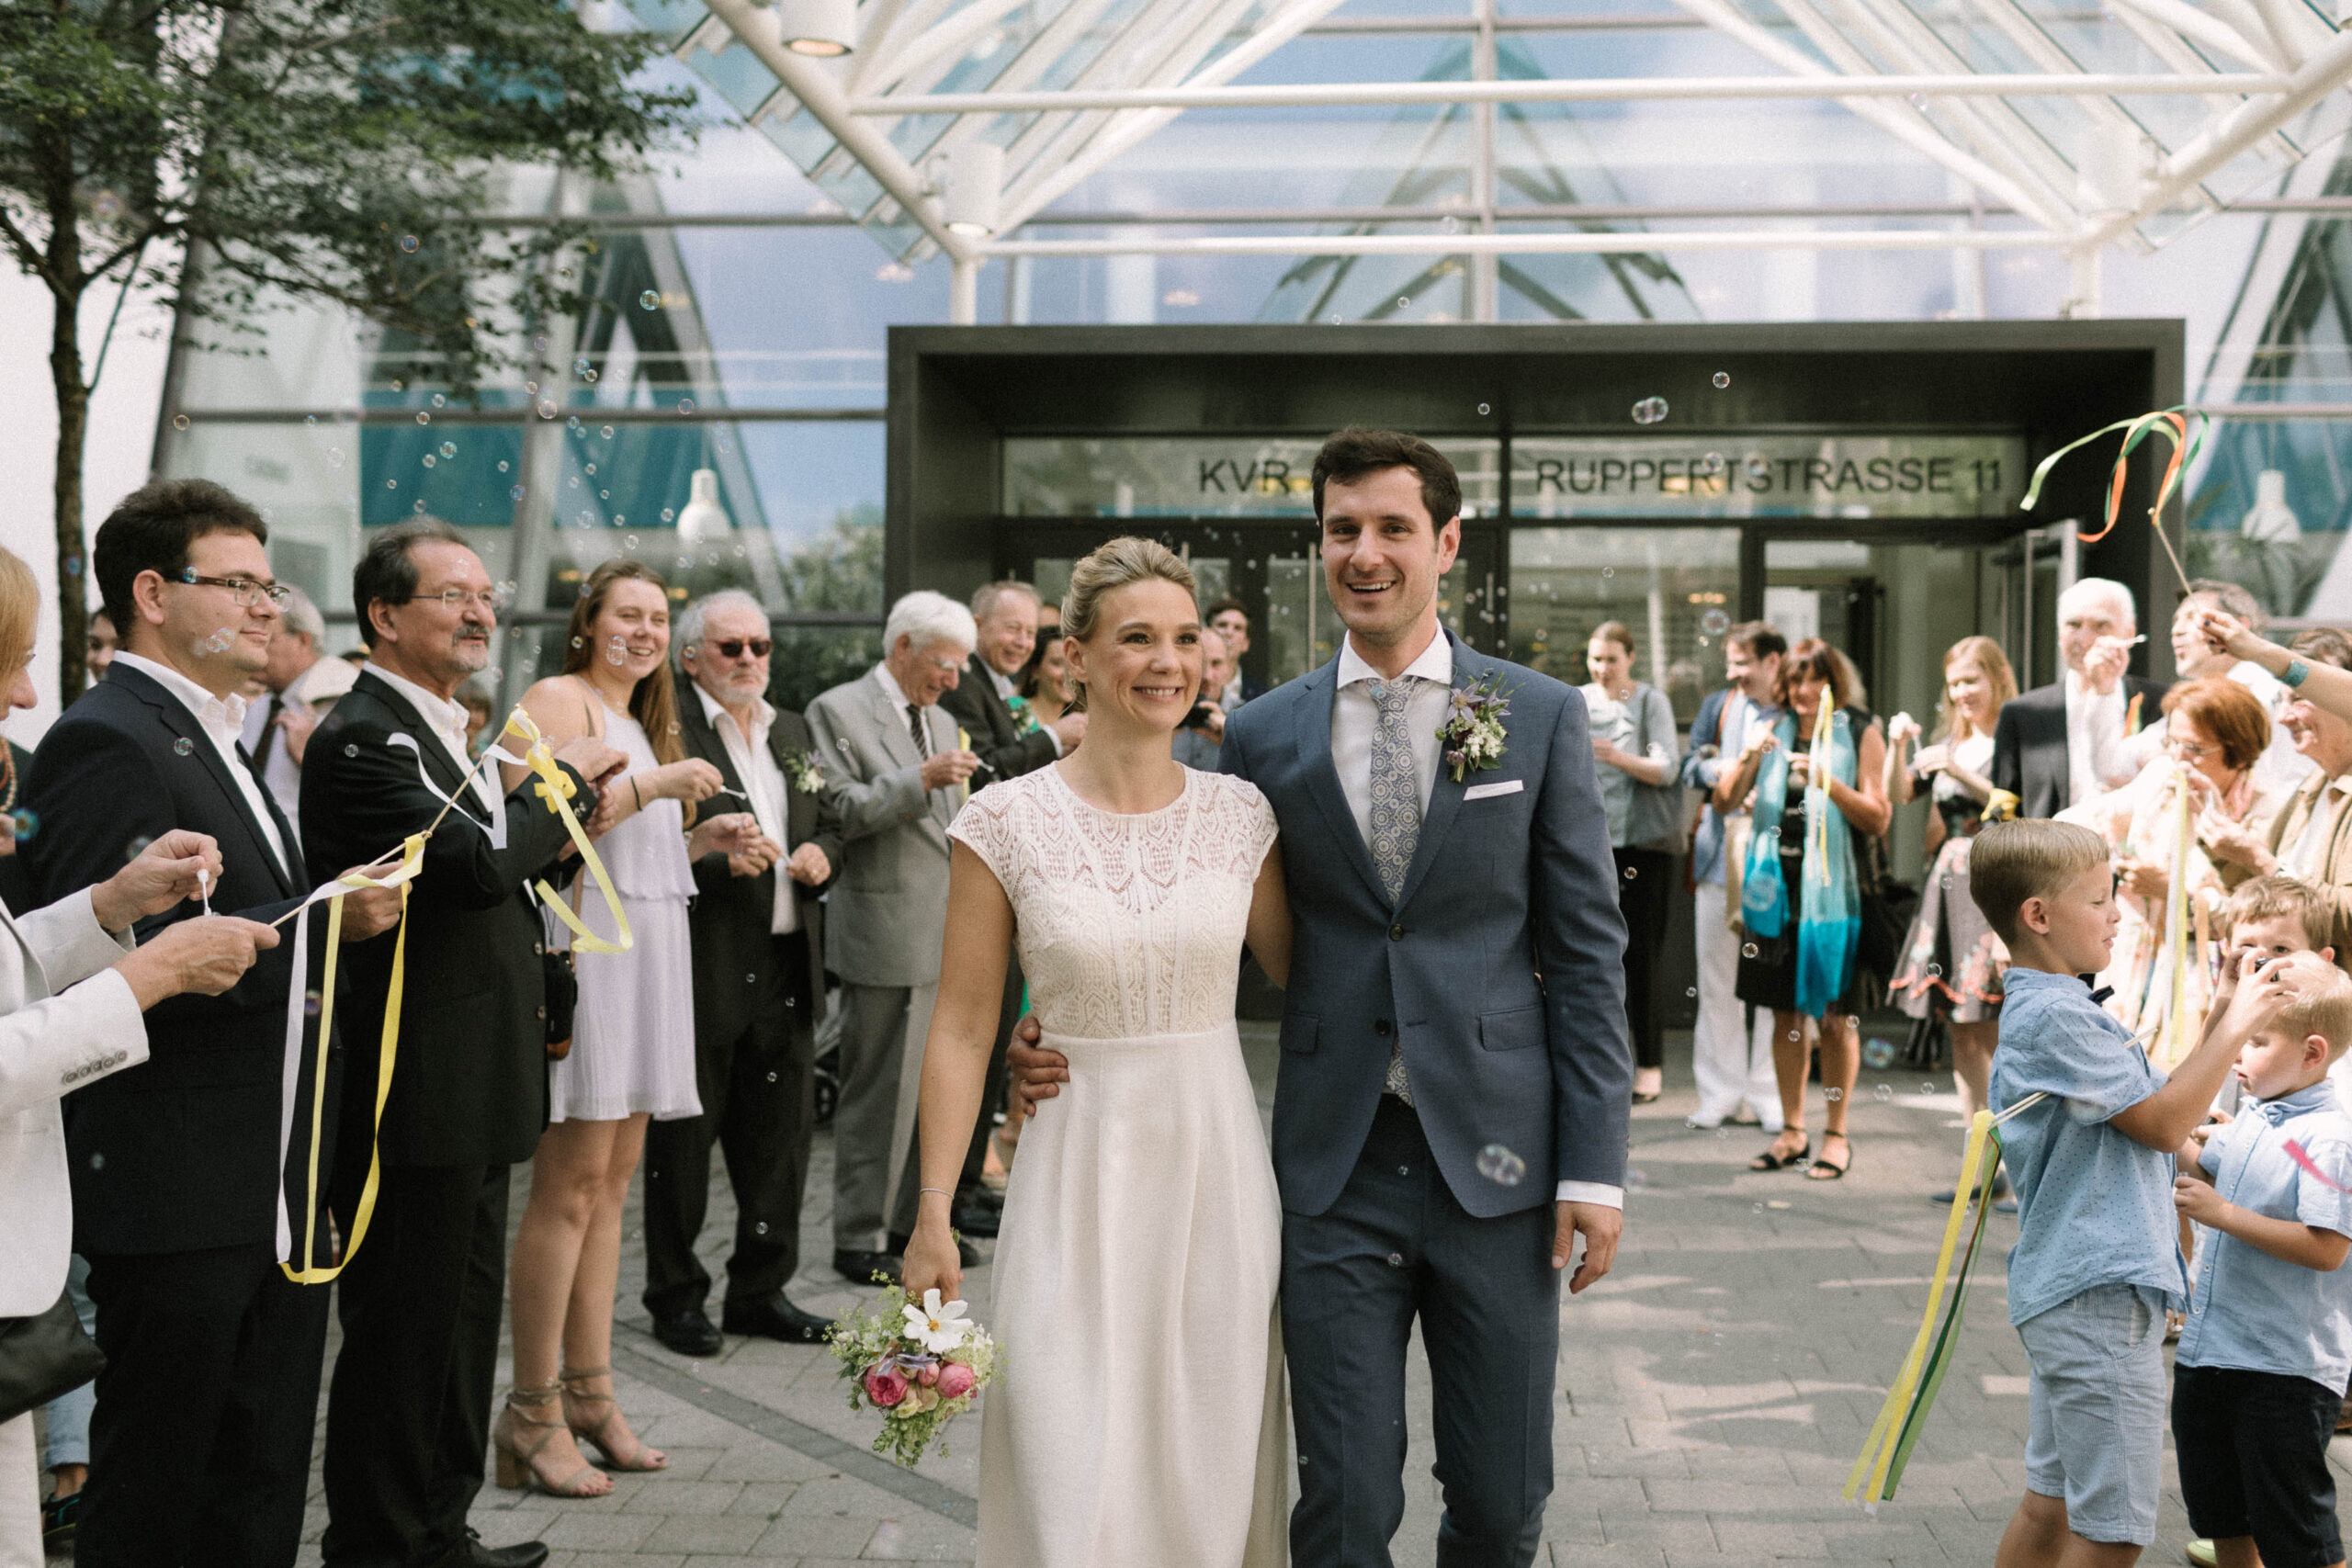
1138	1415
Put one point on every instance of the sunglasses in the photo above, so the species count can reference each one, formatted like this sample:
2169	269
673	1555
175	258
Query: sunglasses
733	646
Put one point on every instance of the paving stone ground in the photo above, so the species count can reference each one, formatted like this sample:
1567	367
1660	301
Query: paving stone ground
1713	1390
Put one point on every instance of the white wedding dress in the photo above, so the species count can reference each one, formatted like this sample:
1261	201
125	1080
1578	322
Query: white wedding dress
1138	1417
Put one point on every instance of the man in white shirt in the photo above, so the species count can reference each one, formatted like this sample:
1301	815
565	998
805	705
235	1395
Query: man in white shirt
302	684
2059	745
759	985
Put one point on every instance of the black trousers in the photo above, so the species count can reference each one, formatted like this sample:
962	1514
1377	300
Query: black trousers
408	1416
200	1443
1644	878
759	1106
992	1086
1395	1246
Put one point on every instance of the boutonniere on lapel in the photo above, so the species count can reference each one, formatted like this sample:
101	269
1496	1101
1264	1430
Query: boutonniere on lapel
1472	733
1024	720
807	776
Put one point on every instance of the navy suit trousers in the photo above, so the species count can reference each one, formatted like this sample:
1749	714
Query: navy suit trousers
1395	1246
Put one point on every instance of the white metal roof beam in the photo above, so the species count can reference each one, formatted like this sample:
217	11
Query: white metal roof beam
2201	27
1598	89
1575	242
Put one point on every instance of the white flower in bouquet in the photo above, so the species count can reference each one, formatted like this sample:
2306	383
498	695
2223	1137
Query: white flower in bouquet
938	1326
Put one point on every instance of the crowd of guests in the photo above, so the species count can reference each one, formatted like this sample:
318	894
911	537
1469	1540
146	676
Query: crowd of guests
223	760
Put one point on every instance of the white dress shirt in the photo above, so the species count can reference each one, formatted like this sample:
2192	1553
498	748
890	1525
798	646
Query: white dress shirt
447	720
222	719
2094	735
2306	858
764	787
1354	715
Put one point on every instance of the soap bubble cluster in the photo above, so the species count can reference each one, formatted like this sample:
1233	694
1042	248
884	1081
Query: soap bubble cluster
1501	1166
1649	410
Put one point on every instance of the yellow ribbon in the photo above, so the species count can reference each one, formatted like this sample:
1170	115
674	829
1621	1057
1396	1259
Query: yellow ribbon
412	862
2000	805
2180	1030
556	788
1817	828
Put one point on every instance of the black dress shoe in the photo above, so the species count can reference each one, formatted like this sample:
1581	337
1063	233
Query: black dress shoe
965	1253
859	1267
776	1318
688	1333
471	1553
976	1221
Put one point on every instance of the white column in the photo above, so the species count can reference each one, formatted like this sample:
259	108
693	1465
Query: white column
964	294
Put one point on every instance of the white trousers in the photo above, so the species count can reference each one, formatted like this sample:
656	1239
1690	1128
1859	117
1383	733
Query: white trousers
19	1495
1731	1061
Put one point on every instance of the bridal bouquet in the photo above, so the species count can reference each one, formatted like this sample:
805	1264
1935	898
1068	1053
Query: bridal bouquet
920	1363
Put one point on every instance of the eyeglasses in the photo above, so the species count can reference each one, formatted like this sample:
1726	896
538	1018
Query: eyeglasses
244	589
734	646
946	666
2188	750
494	599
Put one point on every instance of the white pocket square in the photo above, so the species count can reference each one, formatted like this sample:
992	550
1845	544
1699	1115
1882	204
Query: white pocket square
1481	792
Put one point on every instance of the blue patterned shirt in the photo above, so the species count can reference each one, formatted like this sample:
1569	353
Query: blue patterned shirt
2263	1314
2094	1206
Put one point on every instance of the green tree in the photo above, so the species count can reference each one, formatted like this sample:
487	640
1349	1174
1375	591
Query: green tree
233	155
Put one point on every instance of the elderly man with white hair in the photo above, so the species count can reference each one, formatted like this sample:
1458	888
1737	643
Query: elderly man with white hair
2061	744
758	934
896	775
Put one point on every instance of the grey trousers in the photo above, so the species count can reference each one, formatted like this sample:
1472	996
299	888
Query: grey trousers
1395	1247
875	1181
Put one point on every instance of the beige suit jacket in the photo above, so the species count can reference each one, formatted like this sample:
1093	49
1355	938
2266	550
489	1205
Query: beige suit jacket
2334	873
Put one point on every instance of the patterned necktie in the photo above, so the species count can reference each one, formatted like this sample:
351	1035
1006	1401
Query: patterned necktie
1396	822
921	730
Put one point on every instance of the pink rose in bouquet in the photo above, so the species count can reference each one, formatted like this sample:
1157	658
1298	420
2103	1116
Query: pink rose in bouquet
885	1387
956	1379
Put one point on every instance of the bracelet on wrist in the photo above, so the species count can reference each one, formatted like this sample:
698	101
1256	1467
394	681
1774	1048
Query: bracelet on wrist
2295	672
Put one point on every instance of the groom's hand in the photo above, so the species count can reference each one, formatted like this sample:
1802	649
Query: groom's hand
1038	1073
1600	1226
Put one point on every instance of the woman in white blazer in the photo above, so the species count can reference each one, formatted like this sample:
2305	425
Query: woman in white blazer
71	990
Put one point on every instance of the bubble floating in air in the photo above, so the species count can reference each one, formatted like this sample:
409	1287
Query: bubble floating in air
1714	622
26	822
1723	380
1879	1053
648	300
449	448
1649	410
184	747
407	243
1501	1166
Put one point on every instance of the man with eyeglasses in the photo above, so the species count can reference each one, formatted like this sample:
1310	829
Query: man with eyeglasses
408	1417
200	1441
759	982
895	773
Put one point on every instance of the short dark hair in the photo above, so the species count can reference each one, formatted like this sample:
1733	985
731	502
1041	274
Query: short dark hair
386	571
1761	639
1354	454
151	530
1221	606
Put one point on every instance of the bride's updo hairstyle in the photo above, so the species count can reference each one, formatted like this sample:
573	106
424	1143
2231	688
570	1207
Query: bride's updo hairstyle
1111	567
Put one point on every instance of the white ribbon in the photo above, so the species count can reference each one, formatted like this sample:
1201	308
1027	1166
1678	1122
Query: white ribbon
496	826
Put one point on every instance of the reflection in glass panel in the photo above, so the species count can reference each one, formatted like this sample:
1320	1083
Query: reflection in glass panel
1237	475
1676	589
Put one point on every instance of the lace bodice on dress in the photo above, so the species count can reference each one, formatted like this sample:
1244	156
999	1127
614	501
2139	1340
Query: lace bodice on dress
1129	926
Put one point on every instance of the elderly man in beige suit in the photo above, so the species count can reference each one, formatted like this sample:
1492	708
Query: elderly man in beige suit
895	770
2311	838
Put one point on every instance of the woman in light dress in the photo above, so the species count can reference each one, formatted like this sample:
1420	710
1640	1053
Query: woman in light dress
1138	1418
2215	733
1951	961
1634	754
632	1052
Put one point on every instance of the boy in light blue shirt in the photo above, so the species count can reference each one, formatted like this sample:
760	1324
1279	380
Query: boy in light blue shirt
2097	1258
2262	1365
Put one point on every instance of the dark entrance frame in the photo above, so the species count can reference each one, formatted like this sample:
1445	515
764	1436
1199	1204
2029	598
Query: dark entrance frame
955	392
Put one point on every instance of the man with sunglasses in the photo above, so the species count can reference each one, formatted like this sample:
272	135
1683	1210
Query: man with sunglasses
759	983
200	1441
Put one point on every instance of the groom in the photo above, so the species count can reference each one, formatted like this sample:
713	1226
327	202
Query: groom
1452	1101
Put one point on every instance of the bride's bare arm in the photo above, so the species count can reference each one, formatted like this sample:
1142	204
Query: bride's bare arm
1268	933
955	1061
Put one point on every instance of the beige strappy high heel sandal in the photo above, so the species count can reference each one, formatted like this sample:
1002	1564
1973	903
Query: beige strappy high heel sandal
518	1440
638	1457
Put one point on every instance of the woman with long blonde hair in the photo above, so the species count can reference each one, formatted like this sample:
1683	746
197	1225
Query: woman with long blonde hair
1952	962
632	1056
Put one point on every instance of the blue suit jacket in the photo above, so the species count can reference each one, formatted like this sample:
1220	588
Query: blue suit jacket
1503	963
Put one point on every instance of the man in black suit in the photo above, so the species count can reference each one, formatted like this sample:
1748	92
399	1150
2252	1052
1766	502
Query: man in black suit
981	705
2058	745
759	983
1230	618
420	1304
200	1443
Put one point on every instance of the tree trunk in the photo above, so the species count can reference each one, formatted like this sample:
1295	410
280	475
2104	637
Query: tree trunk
73	559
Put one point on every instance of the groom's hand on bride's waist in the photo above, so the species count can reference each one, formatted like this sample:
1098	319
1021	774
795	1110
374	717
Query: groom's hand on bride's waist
1600	1226
1037	1073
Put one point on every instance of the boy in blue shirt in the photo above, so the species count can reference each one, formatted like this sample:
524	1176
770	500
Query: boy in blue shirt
2098	1259
2261	1369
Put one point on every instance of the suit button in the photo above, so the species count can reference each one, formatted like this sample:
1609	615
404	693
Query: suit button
1396	933
543	1012
541	948
1380	1026
1395	1260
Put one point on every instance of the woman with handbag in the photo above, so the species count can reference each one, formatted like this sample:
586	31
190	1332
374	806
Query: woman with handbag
1634	751
632	1052
1817	778
71	990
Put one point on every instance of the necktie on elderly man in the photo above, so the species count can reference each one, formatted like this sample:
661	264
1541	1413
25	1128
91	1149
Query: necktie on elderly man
921	730
1395	823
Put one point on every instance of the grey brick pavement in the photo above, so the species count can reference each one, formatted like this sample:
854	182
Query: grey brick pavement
1713	1390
